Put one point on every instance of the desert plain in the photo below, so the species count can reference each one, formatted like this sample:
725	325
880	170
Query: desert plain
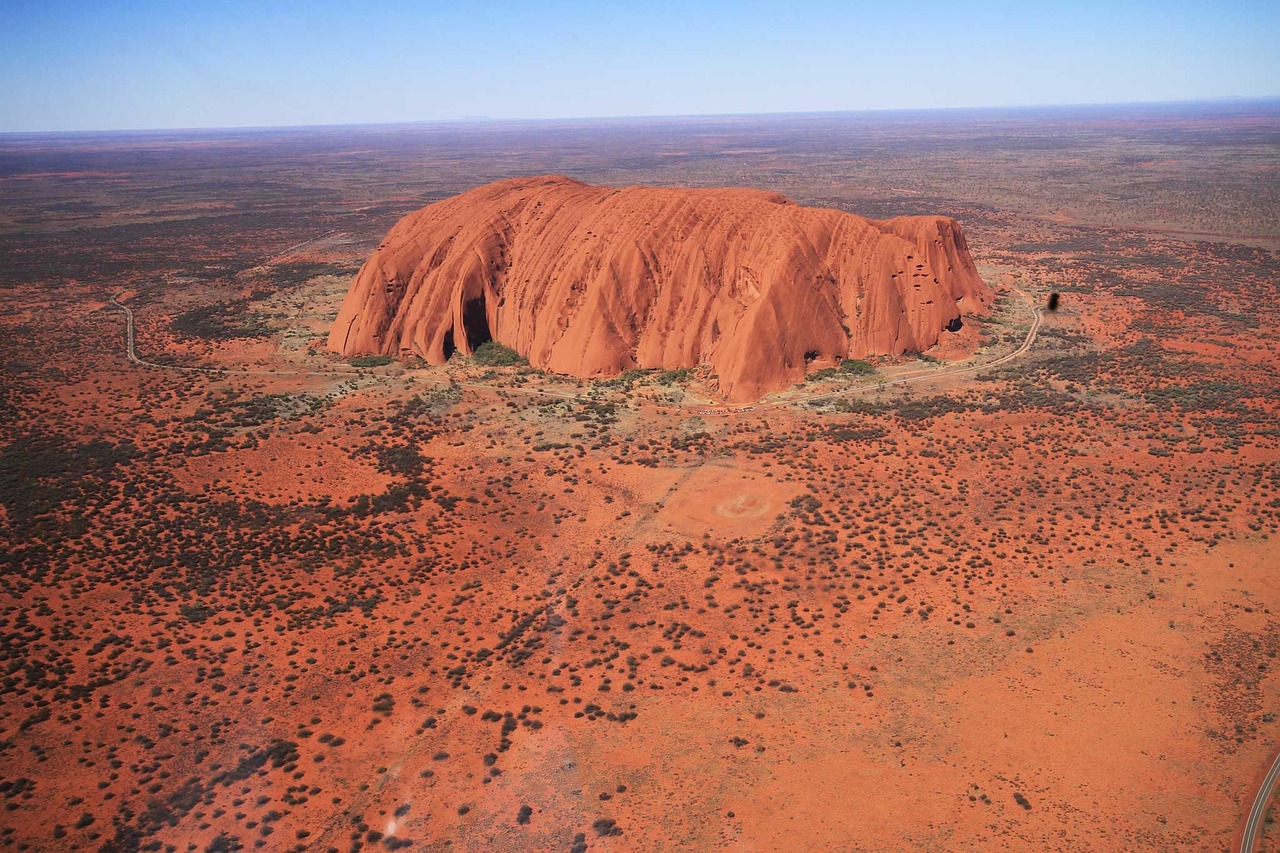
1017	593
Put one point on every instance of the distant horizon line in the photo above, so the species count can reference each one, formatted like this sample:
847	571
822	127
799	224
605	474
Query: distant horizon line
1222	100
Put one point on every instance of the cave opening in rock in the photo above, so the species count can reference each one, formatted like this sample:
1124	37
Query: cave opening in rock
449	348
475	323
955	325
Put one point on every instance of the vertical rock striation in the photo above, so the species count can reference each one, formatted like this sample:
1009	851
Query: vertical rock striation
590	281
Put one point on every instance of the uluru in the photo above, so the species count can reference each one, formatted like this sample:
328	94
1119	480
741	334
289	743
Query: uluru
591	281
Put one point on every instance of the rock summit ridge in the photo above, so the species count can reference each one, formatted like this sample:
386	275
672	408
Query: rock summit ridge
591	281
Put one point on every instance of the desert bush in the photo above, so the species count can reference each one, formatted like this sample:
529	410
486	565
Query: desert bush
197	613
494	354
221	321
266	408
433	402
285	275
857	367
606	826
400	460
370	361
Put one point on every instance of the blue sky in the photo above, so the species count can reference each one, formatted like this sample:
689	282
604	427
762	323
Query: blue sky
112	64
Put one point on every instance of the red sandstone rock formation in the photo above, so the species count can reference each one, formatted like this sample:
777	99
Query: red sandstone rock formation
590	281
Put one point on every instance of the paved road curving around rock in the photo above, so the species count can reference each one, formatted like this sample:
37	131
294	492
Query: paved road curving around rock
131	352
698	408
1253	823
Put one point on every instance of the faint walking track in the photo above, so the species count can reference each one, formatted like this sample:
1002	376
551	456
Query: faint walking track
907	379
1253	824
296	246
924	376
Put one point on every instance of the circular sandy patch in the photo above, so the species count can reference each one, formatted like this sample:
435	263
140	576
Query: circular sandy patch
744	506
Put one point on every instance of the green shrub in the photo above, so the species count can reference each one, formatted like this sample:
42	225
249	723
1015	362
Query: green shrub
606	826
861	407
222	321
197	613
370	361
857	367
494	354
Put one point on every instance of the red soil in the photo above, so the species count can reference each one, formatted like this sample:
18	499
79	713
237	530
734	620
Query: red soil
1026	608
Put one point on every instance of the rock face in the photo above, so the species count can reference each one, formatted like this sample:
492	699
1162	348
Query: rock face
591	281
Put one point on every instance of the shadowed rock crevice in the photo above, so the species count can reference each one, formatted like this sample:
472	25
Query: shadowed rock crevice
475	322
